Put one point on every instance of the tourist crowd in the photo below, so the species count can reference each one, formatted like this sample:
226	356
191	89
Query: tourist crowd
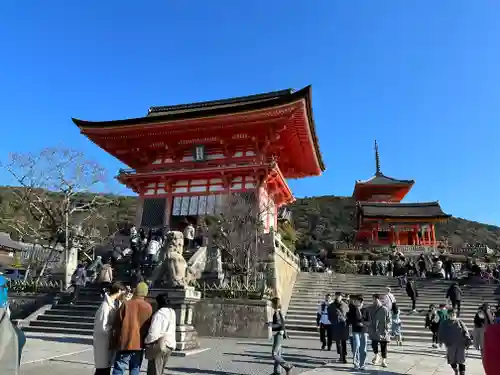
347	320
126	331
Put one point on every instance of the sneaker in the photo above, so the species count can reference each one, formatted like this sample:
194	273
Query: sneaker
362	368
288	371
384	362
434	346
400	343
375	360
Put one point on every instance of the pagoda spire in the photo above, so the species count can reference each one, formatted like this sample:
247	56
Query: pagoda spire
377	160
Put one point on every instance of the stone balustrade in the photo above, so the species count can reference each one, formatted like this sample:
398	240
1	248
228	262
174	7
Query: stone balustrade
284	266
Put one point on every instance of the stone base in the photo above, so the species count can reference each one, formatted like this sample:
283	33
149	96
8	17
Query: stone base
186	337
182	300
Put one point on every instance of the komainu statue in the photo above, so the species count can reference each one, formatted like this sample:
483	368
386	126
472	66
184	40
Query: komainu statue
173	271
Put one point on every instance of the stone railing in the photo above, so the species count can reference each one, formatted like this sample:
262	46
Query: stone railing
23	304
284	267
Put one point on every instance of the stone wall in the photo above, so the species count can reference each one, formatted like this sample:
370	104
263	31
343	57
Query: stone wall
23	304
285	268
232	318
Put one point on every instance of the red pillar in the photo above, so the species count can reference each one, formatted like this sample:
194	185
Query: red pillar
433	234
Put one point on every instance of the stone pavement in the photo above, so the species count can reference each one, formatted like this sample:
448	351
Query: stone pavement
56	355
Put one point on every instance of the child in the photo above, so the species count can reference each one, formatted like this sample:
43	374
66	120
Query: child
396	324
454	334
432	322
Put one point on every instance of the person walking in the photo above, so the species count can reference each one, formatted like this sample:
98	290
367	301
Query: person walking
94	268
482	319
105	278
160	341
129	331
454	294
79	280
337	315
278	329
323	324
412	292
358	319
389	299
432	323
103	323
378	330
453	333
396	324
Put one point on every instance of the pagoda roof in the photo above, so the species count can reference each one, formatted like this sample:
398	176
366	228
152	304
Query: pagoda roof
381	179
402	210
204	117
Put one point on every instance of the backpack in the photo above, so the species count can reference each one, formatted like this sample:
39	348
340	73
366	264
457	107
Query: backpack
443	315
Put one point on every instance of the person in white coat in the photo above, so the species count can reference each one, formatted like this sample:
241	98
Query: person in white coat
160	341
103	324
389	299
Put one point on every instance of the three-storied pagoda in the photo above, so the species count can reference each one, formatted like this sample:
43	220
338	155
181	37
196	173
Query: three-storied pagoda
383	220
183	159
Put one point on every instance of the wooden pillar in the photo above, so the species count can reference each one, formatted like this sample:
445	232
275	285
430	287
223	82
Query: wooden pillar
168	211
433	229
138	213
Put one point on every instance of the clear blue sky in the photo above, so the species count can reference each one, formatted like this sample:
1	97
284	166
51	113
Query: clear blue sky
422	77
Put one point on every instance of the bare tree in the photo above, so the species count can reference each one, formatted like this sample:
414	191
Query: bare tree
55	202
237	230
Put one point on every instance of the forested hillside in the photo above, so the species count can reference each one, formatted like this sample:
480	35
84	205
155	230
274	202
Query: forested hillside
318	221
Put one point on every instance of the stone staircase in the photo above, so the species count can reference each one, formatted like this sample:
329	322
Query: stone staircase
310	288
78	318
65	318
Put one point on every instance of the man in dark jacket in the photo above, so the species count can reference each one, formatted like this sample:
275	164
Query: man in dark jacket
411	291
359	320
455	295
337	315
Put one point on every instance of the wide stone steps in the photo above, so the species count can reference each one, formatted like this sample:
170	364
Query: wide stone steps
309	291
73	319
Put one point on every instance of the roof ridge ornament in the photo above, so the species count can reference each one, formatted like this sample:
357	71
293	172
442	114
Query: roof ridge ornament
377	160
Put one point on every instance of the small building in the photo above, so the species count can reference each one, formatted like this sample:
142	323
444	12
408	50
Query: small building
382	219
10	251
184	159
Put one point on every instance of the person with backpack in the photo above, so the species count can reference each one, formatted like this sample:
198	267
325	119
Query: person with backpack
79	280
412	292
396	324
432	322
337	315
454	294
482	319
443	316
323	324
453	333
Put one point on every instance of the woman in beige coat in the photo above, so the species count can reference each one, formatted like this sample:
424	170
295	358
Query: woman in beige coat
103	324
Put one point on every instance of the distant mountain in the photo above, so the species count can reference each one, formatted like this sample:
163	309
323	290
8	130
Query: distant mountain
318	221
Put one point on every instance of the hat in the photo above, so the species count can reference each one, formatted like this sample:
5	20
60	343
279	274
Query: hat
338	294
141	290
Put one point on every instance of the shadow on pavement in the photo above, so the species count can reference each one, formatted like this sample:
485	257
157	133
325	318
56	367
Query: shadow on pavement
200	371
287	345
72	340
299	360
372	371
71	362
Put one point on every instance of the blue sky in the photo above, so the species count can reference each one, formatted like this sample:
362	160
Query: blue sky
422	77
